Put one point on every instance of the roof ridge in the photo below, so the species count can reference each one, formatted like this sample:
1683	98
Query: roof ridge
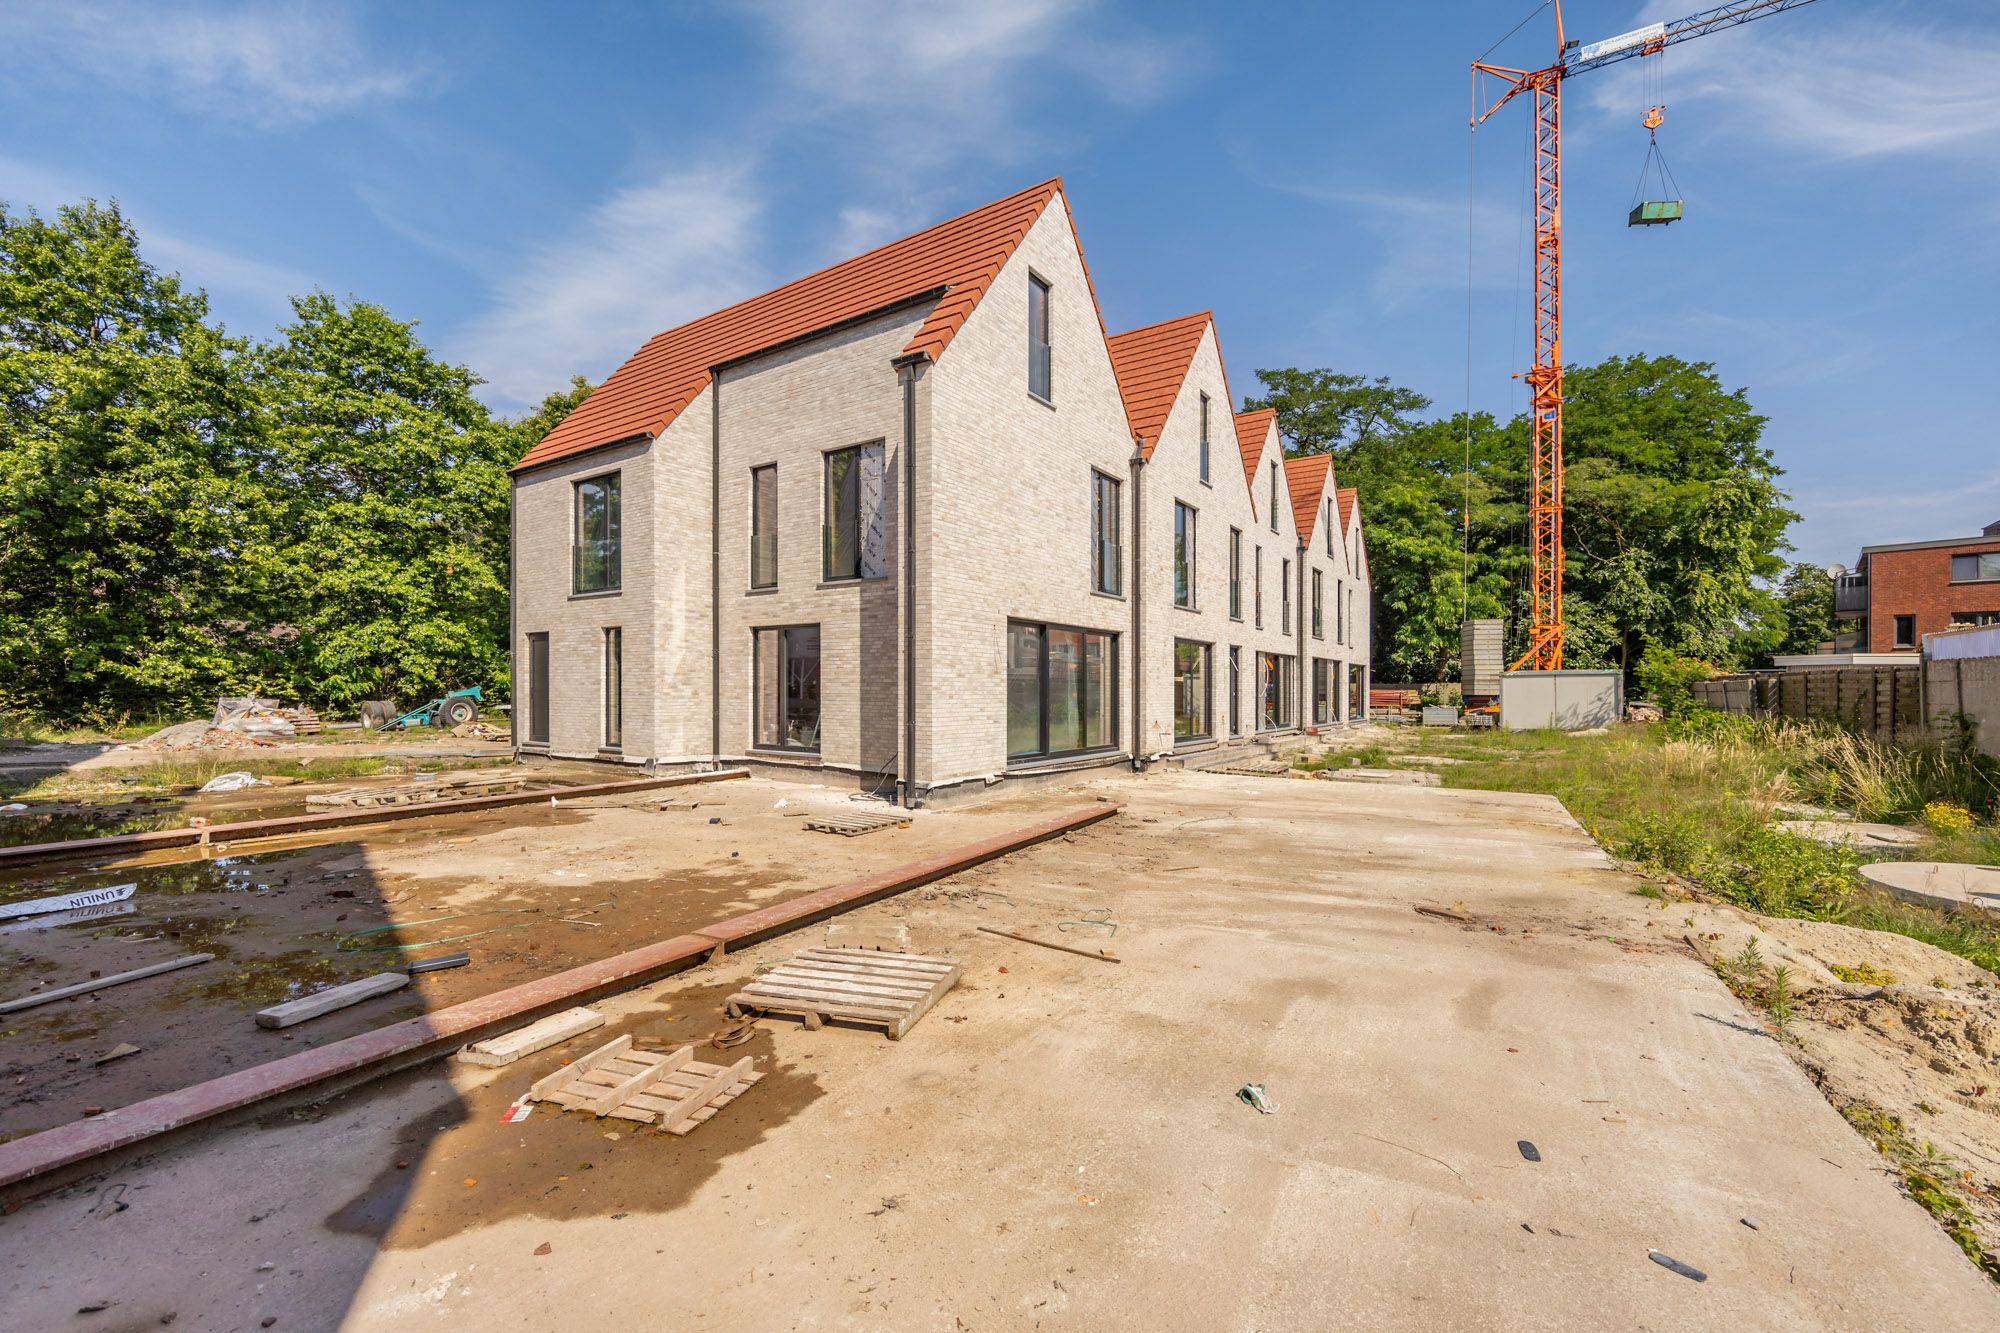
1162	323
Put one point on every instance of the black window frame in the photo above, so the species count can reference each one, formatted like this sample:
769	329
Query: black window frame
1235	690
1287	690
1041	350
1274	495
1900	639
1042	754
1285	595
1328	524
826	514
1257	585
1319	605
1107	548
613	702
1322	691
614	566
1236	573
1207	655
1203	456
1187	556
764	525
1979	559
784	713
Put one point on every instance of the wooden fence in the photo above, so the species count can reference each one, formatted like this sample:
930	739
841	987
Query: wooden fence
1882	702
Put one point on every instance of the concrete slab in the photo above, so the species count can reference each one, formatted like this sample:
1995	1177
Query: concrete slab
1855	833
1059	1144
1942	884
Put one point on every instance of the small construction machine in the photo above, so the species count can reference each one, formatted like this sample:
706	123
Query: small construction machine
453	710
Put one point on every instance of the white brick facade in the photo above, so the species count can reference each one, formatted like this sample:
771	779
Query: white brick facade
1002	532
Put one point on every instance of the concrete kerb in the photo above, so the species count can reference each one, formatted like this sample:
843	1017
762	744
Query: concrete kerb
285	825
42	1162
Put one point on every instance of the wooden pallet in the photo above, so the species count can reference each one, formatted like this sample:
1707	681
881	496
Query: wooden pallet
669	1088
854	823
889	990
1254	768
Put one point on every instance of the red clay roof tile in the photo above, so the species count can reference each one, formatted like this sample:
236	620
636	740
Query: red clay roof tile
1150	364
961	257
1346	496
1252	429
1305	478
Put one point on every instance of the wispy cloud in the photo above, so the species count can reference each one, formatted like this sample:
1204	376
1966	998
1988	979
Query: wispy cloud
264	64
1839	522
899	105
649	257
1829	84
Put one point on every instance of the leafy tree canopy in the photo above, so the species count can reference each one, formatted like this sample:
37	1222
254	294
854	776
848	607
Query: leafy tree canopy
1673	518
184	513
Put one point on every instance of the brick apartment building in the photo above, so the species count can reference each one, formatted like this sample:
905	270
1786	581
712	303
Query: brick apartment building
1899	593
919	522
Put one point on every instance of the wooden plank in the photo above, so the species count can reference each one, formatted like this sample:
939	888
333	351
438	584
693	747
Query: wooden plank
512	1046
331	999
652	1073
878	957
99	983
582	1064
814	995
868	980
701	1096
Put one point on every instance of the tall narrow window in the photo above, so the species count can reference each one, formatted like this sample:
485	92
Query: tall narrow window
538	689
787	676
1322	691
764	526
1236	573
1235	691
1257	584
1339	612
1106	555
855	540
1061	690
1906	632
1284	596
1204	437
1040	341
594	562
614	688
1319	608
1274	495
1328	524
1275	690
1184	555
1191	687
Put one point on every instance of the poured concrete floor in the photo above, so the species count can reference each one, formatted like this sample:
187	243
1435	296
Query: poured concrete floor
1058	1143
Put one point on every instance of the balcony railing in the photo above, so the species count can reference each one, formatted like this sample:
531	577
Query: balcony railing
1850	595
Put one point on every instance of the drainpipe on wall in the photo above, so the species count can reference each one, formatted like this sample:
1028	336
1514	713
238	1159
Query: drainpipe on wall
1138	587
1305	687
715	567
906	367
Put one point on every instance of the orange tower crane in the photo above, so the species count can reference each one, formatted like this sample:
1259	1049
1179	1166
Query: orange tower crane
1545	377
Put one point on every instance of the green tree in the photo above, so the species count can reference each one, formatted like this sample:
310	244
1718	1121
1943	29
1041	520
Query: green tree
1673	519
123	414
1805	608
382	557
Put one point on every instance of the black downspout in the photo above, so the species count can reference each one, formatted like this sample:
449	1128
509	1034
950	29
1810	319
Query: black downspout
715	566
909	775
1138	587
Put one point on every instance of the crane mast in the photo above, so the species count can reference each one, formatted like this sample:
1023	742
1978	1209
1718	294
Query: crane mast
1545	376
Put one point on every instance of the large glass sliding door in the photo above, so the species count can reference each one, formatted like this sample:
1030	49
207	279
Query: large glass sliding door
1276	691
1191	690
1062	690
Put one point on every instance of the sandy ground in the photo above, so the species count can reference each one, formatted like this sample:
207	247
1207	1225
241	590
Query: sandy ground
526	890
1058	1143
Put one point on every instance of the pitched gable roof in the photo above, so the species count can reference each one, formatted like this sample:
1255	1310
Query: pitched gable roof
1305	478
959	258
1252	430
1150	364
1346	495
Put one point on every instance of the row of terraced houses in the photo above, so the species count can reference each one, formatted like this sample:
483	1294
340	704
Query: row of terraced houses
919	522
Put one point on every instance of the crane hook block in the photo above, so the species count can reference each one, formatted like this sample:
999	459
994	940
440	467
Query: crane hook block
1655	117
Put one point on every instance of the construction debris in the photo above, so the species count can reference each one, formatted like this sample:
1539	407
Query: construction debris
118	1052
235	781
333	998
99	983
672	1090
1674	1265
505	1050
886	990
115	893
852	824
442	963
1101	955
422	789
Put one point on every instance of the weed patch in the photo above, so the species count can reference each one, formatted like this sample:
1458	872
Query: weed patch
1928	1176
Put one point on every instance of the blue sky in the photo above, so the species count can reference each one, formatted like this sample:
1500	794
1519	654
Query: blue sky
543	187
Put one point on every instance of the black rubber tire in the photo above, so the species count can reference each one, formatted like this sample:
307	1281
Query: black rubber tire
457	712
